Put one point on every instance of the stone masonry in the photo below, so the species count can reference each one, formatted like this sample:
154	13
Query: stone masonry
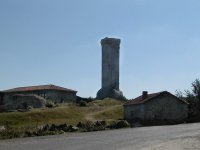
110	69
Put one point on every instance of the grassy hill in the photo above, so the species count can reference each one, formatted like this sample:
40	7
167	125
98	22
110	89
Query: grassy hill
107	109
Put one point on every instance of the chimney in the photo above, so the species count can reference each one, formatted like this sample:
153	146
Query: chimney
144	94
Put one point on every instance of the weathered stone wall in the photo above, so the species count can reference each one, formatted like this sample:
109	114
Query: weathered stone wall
61	96
167	108
9	96
162	108
110	63
110	69
54	95
134	112
21	101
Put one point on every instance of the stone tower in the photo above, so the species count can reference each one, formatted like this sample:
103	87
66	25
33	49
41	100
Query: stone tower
110	69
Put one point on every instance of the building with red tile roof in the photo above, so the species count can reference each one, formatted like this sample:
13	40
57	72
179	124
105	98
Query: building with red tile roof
160	107
49	92
38	88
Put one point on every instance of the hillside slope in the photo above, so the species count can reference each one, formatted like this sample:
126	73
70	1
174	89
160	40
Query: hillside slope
107	109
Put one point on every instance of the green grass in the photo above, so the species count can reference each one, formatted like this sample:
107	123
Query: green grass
37	117
113	113
107	102
70	114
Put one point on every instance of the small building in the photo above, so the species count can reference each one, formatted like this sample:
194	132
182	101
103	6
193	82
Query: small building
156	108
36	95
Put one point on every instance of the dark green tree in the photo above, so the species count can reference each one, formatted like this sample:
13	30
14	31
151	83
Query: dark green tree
193	98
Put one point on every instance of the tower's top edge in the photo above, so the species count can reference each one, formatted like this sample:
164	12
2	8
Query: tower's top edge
110	41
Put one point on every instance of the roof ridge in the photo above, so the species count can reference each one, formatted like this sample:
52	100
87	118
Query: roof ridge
39	87
33	86
139	100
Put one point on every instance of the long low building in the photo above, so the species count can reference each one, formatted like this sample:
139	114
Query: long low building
49	92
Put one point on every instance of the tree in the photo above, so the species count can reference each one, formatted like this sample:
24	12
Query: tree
193	98
196	89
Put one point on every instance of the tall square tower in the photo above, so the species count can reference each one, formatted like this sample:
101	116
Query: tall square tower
110	69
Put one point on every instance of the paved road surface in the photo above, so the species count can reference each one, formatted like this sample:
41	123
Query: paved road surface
178	137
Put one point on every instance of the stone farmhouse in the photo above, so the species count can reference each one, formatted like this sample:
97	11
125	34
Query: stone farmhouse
156	108
35	96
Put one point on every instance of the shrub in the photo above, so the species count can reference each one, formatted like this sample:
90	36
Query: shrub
99	125
193	98
28	134
91	126
119	124
61	127
122	124
103	123
80	125
10	133
112	125
49	104
82	103
49	130
78	99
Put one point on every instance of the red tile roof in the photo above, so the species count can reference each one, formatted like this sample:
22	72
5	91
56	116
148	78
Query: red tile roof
140	100
38	88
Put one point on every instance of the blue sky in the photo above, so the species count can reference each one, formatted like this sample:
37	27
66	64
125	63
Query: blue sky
58	42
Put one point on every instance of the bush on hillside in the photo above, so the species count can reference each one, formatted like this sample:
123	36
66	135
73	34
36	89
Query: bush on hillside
10	133
62	127
91	126
78	99
82	103
118	124
49	104
80	125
